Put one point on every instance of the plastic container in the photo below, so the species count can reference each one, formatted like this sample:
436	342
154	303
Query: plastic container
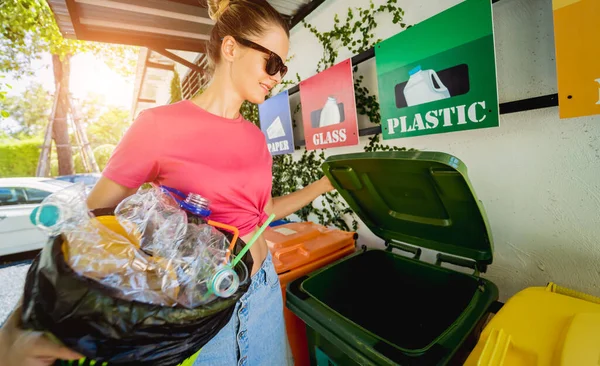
543	327
380	307
298	249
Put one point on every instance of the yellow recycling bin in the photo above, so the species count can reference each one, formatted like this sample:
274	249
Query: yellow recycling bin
542	327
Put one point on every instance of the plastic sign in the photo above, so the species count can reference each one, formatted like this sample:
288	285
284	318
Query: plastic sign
329	108
276	123
439	75
577	40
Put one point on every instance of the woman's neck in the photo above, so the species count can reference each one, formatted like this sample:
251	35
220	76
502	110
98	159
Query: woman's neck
220	97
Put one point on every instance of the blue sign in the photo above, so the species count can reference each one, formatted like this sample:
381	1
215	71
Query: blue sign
276	124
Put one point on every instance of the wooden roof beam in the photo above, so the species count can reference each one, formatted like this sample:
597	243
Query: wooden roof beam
167	9
178	59
156	65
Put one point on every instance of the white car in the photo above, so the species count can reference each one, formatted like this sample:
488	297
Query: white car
18	197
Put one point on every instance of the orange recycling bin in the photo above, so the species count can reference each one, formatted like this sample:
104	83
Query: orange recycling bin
298	249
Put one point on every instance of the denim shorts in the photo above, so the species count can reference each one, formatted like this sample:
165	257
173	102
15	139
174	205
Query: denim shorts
255	334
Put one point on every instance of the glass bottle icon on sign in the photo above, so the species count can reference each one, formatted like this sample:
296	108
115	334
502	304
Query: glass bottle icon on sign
330	114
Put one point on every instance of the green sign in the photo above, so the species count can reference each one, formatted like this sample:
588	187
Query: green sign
439	75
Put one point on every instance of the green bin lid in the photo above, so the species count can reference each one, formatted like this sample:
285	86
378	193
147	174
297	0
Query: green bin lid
419	198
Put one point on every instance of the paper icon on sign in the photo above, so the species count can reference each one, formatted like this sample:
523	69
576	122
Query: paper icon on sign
275	130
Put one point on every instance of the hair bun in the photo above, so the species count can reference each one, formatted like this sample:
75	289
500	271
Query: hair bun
216	8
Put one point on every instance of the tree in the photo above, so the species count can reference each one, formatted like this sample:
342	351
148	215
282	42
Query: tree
109	128
29	111
3	87
28	29
176	95
29	115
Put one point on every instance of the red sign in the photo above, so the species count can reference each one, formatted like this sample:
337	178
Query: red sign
329	108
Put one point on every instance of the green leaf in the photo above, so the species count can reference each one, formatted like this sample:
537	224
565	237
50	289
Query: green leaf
5	114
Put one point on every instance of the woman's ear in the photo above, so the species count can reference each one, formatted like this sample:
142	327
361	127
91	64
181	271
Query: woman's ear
229	48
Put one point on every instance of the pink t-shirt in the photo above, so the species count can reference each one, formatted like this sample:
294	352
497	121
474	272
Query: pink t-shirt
185	147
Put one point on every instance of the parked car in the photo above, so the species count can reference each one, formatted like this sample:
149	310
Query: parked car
89	179
18	197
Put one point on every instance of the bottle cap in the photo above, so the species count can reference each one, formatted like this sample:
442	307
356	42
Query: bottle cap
45	215
415	70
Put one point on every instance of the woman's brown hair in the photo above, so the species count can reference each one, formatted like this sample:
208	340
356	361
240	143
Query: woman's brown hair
239	18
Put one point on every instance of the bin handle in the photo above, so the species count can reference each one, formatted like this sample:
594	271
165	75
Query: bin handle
415	251
441	258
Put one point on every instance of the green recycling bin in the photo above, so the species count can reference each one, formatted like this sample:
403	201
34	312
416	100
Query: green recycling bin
390	306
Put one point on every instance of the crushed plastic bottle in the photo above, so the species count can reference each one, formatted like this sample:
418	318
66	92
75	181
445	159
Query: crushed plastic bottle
153	217
62	210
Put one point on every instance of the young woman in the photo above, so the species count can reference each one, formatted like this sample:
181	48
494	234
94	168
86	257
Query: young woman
204	146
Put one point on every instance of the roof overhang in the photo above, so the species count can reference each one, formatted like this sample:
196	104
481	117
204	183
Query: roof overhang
156	24
166	31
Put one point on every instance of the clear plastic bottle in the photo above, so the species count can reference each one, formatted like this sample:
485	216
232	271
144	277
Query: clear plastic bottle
62	210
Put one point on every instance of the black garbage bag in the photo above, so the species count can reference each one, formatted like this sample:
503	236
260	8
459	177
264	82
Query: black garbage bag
91	319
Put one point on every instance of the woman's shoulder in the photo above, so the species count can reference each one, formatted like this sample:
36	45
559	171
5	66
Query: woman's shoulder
167	110
254	130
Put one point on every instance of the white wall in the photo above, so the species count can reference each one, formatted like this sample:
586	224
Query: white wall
537	176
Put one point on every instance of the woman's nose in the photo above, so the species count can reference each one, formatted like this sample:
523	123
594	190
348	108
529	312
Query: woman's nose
276	78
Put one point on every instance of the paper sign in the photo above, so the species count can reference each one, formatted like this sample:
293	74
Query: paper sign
276	123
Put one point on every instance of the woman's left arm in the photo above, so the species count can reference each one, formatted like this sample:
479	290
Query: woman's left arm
286	205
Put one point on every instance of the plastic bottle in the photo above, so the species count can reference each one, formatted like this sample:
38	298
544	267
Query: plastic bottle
62	210
420	88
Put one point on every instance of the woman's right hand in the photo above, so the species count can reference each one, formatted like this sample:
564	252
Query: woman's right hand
20	347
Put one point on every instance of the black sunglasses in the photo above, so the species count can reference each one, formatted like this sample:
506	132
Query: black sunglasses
274	63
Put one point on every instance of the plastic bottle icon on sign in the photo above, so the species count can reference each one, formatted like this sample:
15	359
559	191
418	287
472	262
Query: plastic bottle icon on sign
330	114
424	86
